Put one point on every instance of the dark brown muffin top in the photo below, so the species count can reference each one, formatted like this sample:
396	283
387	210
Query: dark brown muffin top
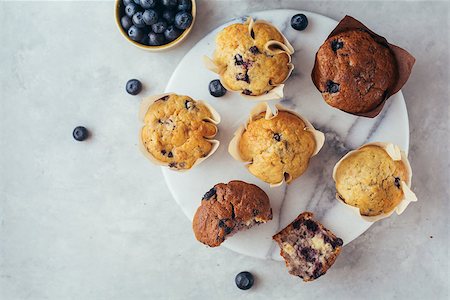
353	71
228	208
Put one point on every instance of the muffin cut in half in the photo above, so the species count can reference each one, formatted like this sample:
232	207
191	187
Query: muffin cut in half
308	248
254	58
276	146
374	181
228	208
177	131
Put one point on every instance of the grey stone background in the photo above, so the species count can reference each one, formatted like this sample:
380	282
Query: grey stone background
77	223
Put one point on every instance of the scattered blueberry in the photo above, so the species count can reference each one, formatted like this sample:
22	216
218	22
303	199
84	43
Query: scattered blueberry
171	33
254	50
311	225
126	22
156	39
131	9
133	87
244	280
159	27
150	17
336	45
397	182
338	242
184	5
145	4
126	2
243	77
216	88
169	16
332	87
299	22
80	133
138	20
238	60
277	137
183	20
169	3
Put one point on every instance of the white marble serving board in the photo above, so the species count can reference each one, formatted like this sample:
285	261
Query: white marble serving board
314	191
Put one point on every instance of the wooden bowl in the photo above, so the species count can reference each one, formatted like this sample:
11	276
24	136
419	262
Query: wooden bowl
119	11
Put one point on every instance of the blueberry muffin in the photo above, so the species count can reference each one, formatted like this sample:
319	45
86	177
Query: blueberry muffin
253	57
277	146
228	208
308	248
177	131
371	180
353	72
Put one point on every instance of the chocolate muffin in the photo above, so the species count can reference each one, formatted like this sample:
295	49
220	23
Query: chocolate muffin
228	208
308	248
177	131
354	72
253	57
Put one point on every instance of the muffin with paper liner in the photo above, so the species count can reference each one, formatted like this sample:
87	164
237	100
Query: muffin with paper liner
374	181
276	145
178	131
254	58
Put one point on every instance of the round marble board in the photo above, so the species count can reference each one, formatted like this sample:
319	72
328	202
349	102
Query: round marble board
314	191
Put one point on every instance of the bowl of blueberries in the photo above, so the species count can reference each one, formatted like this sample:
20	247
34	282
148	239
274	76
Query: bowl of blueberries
155	25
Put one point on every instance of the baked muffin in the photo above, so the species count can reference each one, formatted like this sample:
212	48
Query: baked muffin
177	130
308	248
228	208
354	72
279	147
253	57
375	179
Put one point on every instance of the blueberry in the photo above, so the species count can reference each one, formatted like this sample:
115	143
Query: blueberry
147	3
311	225
136	34
243	77
246	92
299	22
144	40
126	22
133	87
332	87
338	242
138	2
209	194
254	50
131	9
244	280
336	45
238	60
170	154
80	133
138	20
169	16
172	33
156	39
126	2
169	3
216	88
150	17
397	182
184	5
159	27
277	137
183	20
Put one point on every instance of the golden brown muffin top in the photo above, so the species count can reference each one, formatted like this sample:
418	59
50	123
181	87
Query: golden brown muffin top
371	180
245	63
176	131
354	71
278	148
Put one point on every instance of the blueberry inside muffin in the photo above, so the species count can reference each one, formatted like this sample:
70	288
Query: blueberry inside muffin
308	248
279	148
371	180
246	64
228	208
176	131
354	72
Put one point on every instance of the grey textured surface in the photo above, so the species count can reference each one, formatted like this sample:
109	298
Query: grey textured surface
77	223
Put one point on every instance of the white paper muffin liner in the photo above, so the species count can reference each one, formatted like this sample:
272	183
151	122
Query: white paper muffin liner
408	195
273	47
144	107
270	113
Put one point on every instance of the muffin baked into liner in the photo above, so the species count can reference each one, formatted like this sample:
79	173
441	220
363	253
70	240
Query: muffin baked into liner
215	119
271	47
233	147
408	196
404	60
